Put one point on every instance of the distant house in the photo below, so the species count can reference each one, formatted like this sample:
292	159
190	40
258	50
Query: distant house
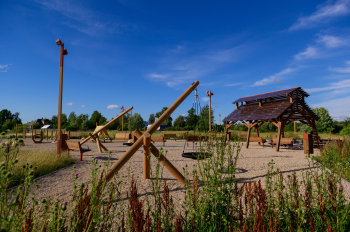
46	127
161	128
42	122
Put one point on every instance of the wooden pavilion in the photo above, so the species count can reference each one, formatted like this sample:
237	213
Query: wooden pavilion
279	107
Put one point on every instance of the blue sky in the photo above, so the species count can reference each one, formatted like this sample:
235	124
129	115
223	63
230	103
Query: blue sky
146	53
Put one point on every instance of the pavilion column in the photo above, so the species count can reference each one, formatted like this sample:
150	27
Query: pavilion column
257	132
313	125
280	129
249	125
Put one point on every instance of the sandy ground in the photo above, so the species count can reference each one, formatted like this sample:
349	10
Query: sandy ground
252	165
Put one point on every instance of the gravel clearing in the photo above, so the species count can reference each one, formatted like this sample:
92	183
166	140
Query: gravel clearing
252	165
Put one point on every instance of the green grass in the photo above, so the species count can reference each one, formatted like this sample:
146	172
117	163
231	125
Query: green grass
336	156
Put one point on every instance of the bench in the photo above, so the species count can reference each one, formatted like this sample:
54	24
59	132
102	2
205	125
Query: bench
222	136
71	135
196	139
75	146
257	139
171	136
284	141
159	139
122	136
245	136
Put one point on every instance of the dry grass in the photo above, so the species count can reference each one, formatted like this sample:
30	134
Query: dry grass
43	162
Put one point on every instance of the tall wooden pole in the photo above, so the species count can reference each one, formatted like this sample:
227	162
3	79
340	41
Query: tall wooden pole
24	131
16	131
209	94
295	131
122	108
129	153
146	156
62	53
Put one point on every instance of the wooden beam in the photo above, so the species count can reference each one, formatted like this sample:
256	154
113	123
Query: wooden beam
138	143
146	157
279	136
236	105
99	144
248	135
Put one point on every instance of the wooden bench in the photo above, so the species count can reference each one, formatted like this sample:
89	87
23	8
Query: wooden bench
159	139
257	139
171	136
75	146
70	135
245	136
122	136
284	141
196	139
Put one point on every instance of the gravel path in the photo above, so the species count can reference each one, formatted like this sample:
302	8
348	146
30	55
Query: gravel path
252	164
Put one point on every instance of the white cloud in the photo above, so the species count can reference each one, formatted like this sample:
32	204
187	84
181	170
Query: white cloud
342	70
234	84
183	115
69	104
308	53
205	99
157	75
276	78
112	107
336	107
344	84
82	106
323	15
331	41
82	19
4	67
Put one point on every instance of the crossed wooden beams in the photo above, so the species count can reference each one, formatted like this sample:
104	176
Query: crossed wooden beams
144	139
94	136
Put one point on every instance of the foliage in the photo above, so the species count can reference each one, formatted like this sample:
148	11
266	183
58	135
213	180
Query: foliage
306	129
169	120
336	156
151	119
204	118
7	115
19	128
136	122
180	121
214	200
97	117
325	123
36	126
241	127
192	118
268	127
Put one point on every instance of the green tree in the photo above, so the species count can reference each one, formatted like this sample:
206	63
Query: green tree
151	119
180	121
97	117
71	119
6	115
54	121
191	119
36	125
204	118
135	122
168	120
325	123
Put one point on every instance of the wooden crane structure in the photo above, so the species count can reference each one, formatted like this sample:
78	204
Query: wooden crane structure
279	107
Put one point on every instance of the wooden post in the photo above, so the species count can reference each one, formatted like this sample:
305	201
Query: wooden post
41	134
257	132
146	157
51	134
279	135
16	130
47	134
248	135
129	153
295	131
209	94
122	124
69	135
24	131
163	160
99	144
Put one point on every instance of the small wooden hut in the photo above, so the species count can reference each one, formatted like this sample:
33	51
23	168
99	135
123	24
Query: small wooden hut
279	107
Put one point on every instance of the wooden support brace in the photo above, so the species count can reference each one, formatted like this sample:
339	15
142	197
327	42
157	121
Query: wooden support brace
146	157
279	136
99	144
248	135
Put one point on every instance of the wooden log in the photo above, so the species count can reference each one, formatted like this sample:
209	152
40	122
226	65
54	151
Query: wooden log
105	126
146	157
248	135
279	136
99	144
138	143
